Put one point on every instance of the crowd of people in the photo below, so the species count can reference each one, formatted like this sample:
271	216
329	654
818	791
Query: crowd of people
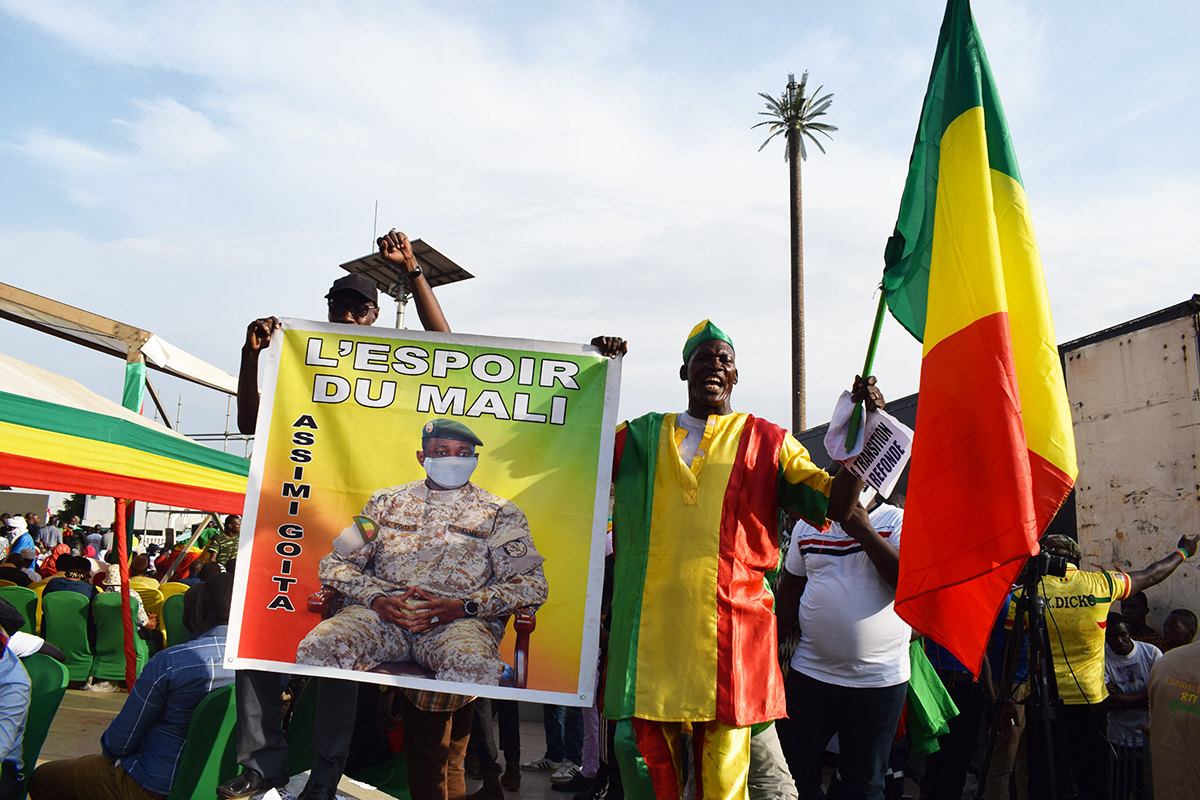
702	607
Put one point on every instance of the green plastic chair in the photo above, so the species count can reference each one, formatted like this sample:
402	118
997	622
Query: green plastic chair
26	601
210	753
65	625
108	664
390	777
48	683
171	621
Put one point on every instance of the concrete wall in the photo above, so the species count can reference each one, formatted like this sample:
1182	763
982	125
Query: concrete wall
1135	408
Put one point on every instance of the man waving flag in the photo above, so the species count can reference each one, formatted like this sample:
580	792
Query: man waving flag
994	455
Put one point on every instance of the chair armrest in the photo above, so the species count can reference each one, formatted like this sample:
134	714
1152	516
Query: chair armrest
325	601
525	620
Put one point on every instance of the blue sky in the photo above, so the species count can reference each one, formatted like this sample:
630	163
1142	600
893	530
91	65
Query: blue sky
186	167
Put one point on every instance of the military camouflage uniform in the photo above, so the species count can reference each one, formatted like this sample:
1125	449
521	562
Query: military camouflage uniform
465	543
223	548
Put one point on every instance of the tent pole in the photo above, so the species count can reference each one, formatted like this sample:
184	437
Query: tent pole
126	609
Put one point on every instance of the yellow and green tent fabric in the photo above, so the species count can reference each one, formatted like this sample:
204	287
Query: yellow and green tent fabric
57	435
994	455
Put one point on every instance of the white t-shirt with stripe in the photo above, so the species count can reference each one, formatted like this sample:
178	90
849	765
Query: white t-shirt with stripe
850	634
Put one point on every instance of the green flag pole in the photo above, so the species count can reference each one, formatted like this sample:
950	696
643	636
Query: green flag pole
856	417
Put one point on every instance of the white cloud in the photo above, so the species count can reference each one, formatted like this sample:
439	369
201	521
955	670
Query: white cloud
168	132
585	160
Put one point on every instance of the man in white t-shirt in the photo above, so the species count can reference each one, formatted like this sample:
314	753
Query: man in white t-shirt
849	674
1127	666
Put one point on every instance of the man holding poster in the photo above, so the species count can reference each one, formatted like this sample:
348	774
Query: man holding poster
262	749
339	402
433	570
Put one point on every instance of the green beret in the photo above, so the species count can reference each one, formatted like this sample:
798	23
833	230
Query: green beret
703	332
449	429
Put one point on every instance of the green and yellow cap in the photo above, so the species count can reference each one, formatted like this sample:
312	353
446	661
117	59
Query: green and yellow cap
703	332
449	429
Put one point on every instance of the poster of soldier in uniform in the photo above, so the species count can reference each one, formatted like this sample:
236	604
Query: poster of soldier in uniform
428	510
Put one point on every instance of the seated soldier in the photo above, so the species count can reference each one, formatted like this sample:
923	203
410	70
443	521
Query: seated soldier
443	565
141	749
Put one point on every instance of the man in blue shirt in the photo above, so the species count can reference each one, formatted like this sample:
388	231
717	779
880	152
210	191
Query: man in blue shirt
142	747
14	708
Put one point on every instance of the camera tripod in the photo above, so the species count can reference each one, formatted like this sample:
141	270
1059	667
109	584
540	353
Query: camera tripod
1043	707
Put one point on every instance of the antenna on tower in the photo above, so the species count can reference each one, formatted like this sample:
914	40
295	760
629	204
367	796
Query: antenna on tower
375	227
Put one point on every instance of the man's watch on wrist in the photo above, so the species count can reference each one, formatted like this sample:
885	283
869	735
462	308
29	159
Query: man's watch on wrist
471	608
414	273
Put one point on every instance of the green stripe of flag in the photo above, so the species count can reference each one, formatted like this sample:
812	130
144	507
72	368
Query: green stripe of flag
803	501
41	415
631	538
961	79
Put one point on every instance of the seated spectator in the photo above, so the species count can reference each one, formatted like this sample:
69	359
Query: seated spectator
21	643
17	533
193	574
141	749
191	605
1134	609
147	624
11	570
29	562
1179	628
137	572
211	570
50	566
14	708
77	572
112	583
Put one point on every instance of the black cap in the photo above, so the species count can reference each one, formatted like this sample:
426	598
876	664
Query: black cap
359	284
449	429
11	619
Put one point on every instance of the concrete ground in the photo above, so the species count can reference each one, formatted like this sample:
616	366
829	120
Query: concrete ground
83	716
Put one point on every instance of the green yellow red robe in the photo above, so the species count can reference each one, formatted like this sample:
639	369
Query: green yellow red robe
693	627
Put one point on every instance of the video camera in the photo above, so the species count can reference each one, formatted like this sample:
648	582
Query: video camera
1044	564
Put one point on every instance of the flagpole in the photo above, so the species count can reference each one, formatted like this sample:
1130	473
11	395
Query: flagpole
856	417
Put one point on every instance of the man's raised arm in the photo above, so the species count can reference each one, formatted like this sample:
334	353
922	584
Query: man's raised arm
258	336
395	248
1158	572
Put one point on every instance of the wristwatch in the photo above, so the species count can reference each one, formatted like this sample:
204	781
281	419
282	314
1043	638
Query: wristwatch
471	608
412	276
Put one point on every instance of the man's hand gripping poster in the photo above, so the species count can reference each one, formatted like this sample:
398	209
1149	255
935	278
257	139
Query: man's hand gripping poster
428	510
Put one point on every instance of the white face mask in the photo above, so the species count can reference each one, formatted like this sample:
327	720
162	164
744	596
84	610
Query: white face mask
450	473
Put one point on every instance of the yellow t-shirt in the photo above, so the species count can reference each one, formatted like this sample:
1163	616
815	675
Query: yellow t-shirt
1076	614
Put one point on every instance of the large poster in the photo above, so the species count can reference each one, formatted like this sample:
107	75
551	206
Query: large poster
428	510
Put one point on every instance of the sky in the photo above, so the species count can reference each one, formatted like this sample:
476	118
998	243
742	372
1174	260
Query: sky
187	167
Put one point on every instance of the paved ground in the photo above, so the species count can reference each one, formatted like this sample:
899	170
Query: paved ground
83	716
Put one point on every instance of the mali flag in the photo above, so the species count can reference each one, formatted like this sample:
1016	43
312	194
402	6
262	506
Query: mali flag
994	455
